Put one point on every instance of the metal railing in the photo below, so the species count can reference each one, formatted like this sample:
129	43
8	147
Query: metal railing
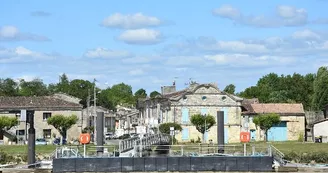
277	155
144	142
207	150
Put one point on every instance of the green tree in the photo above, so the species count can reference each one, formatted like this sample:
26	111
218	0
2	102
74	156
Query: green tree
80	88
105	99
165	127
8	87
62	123
121	94
35	87
141	93
154	94
7	123
202	123
230	89
266	121
320	96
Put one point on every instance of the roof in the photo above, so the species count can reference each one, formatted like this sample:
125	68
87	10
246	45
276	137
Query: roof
192	89
320	121
36	102
279	108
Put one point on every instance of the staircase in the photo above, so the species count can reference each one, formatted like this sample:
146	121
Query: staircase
278	156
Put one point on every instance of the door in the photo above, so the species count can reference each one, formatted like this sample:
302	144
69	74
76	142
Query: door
278	132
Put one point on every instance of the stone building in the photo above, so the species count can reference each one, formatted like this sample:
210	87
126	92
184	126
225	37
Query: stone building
179	106
291	127
109	117
44	107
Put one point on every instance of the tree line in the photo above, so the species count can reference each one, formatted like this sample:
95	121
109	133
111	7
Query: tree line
310	89
119	94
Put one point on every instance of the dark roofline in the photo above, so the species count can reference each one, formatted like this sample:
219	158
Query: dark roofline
320	121
281	114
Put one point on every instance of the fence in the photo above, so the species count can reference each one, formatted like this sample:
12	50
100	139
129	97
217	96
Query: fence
167	150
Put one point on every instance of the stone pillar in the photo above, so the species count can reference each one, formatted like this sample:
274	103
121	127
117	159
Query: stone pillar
100	133
31	139
220	131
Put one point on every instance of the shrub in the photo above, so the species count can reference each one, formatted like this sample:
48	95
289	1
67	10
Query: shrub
165	127
318	157
300	137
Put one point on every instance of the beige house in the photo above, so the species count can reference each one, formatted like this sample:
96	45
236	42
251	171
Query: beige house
179	106
291	127
44	107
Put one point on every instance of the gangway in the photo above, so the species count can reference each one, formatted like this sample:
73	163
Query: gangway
130	147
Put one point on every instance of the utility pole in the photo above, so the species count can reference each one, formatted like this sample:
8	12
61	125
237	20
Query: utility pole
88	106
94	111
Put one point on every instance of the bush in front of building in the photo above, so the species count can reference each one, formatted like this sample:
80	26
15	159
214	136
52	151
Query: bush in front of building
300	157
165	127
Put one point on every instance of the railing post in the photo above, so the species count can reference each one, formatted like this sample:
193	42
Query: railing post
270	151
181	150
253	150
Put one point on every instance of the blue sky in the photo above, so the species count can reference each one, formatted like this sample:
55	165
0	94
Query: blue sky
148	44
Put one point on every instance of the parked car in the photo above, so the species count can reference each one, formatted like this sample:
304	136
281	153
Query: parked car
109	136
57	141
125	136
134	135
40	141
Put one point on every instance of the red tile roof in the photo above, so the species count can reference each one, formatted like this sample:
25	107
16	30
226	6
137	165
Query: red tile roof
279	108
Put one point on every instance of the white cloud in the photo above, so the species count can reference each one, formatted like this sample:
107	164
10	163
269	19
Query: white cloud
106	53
285	16
247	60
11	33
292	16
227	11
136	72
130	21
8	32
306	34
141	36
21	54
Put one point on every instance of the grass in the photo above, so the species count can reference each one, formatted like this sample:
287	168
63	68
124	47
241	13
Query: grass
284	147
22	149
43	149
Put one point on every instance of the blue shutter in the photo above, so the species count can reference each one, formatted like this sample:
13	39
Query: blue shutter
225	115
185	115
185	134
226	133
204	112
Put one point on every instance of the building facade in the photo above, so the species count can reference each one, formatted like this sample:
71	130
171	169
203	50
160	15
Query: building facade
291	127
179	106
44	107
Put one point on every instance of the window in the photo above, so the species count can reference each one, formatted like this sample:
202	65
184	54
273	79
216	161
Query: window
20	132
46	133
204	98
46	115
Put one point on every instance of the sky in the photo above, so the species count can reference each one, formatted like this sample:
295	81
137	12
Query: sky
148	44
